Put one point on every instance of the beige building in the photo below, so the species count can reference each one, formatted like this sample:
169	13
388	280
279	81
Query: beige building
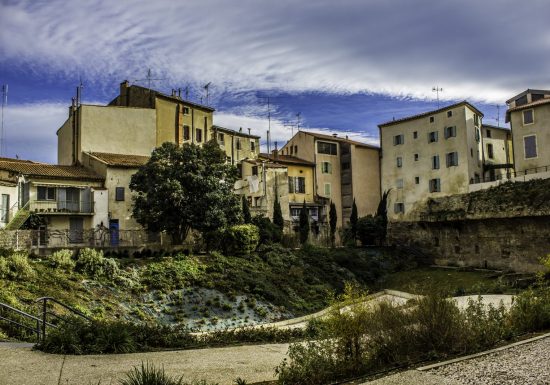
344	169
64	197
497	152
432	154
529	117
237	145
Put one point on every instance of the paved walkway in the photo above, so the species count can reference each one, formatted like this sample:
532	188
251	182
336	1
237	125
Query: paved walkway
254	363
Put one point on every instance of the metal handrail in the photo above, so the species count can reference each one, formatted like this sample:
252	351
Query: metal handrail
38	321
71	309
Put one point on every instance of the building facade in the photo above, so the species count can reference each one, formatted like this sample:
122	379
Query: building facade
497	152
529	117
432	154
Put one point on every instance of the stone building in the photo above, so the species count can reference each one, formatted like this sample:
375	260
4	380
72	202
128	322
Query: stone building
529	117
432	154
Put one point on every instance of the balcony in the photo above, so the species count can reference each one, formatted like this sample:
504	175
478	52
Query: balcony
62	207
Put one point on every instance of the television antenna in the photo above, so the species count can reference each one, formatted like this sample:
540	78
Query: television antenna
268	100
149	78
498	115
207	87
4	103
437	90
298	117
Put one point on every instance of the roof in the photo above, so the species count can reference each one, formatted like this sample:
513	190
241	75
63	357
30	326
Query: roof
234	132
424	114
286	159
175	98
53	171
265	163
527	91
526	106
492	127
340	139
120	160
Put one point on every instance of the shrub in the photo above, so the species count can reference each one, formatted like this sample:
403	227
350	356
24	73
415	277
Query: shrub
16	266
371	230
63	259
172	273
148	374
531	311
242	239
269	232
4	268
90	262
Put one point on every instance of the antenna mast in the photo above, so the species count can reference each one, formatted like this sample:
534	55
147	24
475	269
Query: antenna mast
4	103
437	90
498	115
298	116
149	78
269	127
206	87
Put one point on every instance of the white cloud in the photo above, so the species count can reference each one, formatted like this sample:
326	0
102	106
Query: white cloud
472	49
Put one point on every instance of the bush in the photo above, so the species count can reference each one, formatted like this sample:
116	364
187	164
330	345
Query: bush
531	311
269	232
16	266
172	273
150	375
63	259
90	262
371	230
242	239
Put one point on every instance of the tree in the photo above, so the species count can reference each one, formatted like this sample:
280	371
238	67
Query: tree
304	224
382	213
333	219
246	211
353	220
184	188
370	230
278	214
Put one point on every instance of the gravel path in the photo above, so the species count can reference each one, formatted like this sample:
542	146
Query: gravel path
521	365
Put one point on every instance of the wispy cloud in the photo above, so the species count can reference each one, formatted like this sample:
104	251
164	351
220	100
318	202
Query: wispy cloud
477	50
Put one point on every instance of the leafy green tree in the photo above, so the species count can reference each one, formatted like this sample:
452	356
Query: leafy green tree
278	214
246	211
304	224
333	219
353	220
184	188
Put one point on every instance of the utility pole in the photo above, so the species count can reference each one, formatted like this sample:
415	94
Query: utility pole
437	90
4	103
298	116
498	115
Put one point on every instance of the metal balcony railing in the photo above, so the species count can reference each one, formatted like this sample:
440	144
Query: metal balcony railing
511	175
61	207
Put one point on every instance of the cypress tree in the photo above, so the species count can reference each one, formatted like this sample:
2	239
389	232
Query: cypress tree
304	224
278	214
353	220
246	211
333	218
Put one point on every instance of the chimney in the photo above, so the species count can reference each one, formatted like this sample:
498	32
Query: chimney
347	137
249	130
335	135
173	92
179	93
124	91
275	153
240	129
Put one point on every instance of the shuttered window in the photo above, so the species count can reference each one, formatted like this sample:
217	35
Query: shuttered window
530	145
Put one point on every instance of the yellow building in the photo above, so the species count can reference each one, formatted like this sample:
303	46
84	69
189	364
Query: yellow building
237	145
497	152
344	169
432	154
529	117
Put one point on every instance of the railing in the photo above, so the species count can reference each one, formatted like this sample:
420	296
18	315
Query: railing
62	207
39	329
46	313
511	175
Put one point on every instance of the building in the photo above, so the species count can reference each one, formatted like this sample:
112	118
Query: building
497	152
62	197
529	117
344	170
237	145
432	154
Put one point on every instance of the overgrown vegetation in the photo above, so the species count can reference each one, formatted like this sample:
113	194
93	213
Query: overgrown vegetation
370	338
149	374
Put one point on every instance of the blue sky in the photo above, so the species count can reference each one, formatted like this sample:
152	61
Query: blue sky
344	66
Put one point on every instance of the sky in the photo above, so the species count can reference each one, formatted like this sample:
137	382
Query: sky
331	66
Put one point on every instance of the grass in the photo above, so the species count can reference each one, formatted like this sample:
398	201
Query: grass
456	282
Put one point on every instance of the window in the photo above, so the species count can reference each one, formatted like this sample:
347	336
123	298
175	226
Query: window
327	190
252	145
5	209
296	184
186	135
345	166
528	117
257	201
119	194
221	138
432	137
452	159
399	207
530	145
416	157
198	133
488	132
416	180
398	139
476	120
291	150
46	193
326	168
238	143
471	152
186	110
295	150
521	101
327	148
449	114
435	162
399	161
477	135
399	183
535	97
415	135
490	151
435	185
254	170
450	132
432	119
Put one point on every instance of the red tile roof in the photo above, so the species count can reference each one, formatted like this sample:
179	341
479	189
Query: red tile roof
26	167
530	105
286	159
120	160
340	139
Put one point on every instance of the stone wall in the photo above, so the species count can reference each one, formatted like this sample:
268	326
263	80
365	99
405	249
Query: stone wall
510	244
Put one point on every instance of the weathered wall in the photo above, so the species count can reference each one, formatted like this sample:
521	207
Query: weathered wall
505	244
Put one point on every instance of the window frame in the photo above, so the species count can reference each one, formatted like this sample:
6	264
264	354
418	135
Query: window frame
120	194
198	135
433	136
322	145
326	167
450	132
490	151
399	160
435	185
451	159
536	147
532	116
186	132
329	185
46	197
398	140
436	162
399	208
